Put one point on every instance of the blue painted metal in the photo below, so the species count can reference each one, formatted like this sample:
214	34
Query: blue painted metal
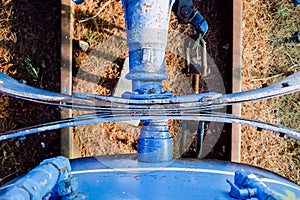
78	1
155	142
123	177
186	12
147	35
51	178
65	187
147	96
247	185
199	23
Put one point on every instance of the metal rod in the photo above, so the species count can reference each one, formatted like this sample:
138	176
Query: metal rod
101	118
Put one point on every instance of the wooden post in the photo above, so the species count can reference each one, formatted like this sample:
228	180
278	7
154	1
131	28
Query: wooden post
236	76
66	72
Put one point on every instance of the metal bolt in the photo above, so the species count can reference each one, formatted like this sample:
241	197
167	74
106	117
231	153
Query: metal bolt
281	135
22	81
146	55
186	11
264	85
43	144
286	84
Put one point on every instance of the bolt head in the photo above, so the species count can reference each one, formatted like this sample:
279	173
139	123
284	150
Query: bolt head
186	11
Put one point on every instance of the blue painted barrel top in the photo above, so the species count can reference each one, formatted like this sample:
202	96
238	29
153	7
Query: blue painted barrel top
123	177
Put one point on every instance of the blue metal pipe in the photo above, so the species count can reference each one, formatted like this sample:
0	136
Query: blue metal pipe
155	143
40	181
147	34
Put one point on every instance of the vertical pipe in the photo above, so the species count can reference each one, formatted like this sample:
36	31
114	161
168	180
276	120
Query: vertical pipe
147	33
154	143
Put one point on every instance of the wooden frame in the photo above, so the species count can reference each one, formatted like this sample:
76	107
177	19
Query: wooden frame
236	76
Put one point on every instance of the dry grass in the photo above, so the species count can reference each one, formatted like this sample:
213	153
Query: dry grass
7	37
269	56
95	23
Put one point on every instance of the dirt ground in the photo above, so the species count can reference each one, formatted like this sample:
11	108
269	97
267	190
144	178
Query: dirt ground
270	53
31	29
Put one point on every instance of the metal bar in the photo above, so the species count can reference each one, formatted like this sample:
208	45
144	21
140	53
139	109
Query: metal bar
107	117
93	102
288	85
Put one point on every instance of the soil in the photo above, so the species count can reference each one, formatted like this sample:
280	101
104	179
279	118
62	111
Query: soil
270	54
29	29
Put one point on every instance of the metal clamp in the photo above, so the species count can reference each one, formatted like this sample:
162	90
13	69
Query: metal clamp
187	13
246	185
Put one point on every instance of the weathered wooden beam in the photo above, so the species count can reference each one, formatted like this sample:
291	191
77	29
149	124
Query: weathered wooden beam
66	72
236	76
